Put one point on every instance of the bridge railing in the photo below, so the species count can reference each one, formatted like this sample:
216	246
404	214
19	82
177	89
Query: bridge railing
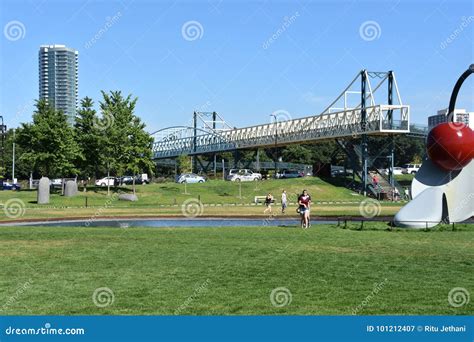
379	119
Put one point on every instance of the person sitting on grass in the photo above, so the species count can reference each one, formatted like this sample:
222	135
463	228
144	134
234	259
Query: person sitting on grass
304	202
268	204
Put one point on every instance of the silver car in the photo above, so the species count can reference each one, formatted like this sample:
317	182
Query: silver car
190	178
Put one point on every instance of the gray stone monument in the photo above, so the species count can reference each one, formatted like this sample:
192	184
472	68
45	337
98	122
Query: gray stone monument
43	191
71	189
128	197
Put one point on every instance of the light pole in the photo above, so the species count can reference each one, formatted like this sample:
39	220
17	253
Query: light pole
13	157
3	130
276	142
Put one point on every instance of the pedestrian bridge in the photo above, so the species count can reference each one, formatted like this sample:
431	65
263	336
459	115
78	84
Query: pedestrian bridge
338	120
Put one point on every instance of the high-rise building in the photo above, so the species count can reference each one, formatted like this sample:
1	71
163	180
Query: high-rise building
460	115
58	78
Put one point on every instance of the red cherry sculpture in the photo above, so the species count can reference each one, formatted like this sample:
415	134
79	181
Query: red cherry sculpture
451	145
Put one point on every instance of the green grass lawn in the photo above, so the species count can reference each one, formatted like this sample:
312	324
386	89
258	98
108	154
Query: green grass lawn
404	180
222	271
167	198
213	191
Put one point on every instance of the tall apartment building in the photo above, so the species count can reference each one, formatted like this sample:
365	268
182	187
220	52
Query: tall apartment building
58	78
460	115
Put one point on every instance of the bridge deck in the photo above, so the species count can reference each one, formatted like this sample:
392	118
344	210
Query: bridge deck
380	119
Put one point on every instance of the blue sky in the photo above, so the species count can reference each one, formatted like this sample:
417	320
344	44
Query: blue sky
232	67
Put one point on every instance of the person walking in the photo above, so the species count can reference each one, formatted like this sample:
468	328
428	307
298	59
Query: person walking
283	201
375	181
396	194
304	202
268	203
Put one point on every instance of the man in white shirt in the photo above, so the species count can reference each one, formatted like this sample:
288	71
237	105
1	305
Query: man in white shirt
283	202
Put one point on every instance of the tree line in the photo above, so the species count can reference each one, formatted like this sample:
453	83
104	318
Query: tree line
406	150
115	141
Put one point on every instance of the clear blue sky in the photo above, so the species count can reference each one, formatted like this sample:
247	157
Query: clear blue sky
227	69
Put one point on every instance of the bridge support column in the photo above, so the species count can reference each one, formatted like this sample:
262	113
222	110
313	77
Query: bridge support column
215	165
257	165
364	147
236	154
194	158
390	119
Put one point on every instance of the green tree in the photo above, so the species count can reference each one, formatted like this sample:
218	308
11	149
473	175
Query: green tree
48	143
406	149
184	163
138	150
297	154
127	146
88	137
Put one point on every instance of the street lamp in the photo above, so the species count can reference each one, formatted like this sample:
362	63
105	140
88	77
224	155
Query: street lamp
13	157
3	129
276	142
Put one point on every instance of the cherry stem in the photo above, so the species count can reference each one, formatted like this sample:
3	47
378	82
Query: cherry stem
454	94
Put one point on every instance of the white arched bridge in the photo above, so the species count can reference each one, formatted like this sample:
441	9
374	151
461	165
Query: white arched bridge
339	120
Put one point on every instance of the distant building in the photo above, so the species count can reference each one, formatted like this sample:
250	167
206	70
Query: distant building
460	115
58	78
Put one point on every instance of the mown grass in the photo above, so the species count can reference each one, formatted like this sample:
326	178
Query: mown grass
223	271
167	198
405	180
214	191
386	209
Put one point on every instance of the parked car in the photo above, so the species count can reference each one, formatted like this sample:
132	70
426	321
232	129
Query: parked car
57	182
190	178
245	175
339	173
106	181
397	170
290	174
411	168
125	180
128	180
10	186
233	172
